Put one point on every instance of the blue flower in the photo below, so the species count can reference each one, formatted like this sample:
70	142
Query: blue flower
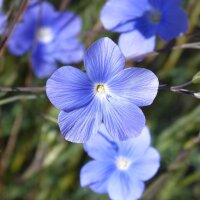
119	168
107	93
140	21
50	36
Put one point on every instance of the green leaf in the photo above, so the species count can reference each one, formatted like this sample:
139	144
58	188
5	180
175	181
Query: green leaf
196	78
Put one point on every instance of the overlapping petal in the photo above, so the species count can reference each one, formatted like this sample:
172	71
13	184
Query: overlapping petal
95	174
119	15
103	60
101	146
67	25
122	186
69	88
136	85
147	166
134	43
122	119
135	148
78	125
170	28
71	50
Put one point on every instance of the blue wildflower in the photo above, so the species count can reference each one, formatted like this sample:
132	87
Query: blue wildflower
119	168
107	93
140	21
50	36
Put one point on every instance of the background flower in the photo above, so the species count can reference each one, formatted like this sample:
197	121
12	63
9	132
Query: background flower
119	168
50	39
107	93
140	22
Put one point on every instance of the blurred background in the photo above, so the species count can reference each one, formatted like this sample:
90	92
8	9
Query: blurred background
37	163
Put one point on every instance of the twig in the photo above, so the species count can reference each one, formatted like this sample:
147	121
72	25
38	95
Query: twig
64	4
16	98
22	89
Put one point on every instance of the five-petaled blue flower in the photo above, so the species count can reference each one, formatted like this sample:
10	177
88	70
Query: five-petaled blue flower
107	93
140	20
119	168
50	36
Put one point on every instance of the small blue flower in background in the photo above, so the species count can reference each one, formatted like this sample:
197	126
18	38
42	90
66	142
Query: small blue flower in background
108	93
140	21
119	168
2	18
50	36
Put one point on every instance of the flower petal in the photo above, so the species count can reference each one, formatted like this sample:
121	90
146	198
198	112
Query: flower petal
147	166
135	148
42	61
134	43
69	88
122	119
122	186
67	25
136	85
119	15
103	60
100	146
78	125
69	50
170	28
95	174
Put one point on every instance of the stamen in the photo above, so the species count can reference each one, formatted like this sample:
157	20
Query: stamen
44	34
123	163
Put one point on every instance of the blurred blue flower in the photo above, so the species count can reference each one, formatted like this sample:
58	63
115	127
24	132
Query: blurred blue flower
119	168
50	36
107	93
140	21
2	18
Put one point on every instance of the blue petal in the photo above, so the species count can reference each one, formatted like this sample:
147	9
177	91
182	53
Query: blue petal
122	119
42	61
100	146
121	186
135	148
136	85
147	166
69	88
22	37
103	60
163	4
67	25
135	44
78	125
174	22
95	174
69	51
119	15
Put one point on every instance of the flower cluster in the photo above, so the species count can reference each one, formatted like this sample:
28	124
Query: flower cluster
119	168
49	35
140	21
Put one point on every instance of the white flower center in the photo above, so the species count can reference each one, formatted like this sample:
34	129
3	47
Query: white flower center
45	34
154	16
101	90
123	163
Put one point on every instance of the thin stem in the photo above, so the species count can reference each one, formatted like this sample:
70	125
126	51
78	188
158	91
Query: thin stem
16	98
22	89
